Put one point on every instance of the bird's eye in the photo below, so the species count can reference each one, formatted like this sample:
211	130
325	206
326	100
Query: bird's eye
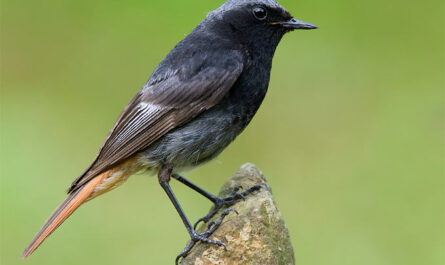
260	13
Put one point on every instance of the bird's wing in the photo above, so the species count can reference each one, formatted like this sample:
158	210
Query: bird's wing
163	104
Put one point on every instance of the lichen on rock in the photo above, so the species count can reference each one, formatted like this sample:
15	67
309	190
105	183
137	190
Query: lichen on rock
256	235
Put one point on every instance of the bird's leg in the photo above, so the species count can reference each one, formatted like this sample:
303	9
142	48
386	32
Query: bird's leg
217	201
164	176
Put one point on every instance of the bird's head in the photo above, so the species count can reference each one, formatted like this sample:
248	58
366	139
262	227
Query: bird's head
258	19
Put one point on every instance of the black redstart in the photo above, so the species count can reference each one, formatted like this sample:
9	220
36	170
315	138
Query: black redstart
199	98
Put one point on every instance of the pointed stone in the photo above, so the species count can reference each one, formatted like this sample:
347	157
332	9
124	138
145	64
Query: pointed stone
256	236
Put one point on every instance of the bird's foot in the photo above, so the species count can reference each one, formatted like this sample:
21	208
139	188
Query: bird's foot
204	237
228	201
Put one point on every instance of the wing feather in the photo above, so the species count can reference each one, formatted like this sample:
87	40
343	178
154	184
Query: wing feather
163	105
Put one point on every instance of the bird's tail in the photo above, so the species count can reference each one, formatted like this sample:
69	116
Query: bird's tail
64	211
100	184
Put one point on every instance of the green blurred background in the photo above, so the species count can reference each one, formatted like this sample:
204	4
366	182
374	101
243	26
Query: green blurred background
350	135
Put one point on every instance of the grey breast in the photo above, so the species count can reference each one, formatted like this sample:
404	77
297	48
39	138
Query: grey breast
197	141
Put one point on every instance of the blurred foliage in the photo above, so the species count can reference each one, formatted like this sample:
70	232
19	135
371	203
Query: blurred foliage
350	135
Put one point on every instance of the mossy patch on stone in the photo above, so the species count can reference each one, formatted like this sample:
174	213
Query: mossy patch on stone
257	235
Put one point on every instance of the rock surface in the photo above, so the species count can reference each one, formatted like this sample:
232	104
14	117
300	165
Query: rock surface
257	235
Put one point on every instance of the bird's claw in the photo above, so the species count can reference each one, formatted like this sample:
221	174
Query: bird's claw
204	237
228	201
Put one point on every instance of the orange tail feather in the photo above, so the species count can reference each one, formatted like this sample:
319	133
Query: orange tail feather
64	211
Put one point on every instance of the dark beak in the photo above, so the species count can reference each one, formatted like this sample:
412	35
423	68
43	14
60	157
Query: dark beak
295	24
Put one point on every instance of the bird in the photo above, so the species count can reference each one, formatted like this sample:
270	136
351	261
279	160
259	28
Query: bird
200	97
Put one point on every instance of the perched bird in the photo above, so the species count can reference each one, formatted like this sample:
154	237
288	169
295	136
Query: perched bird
199	98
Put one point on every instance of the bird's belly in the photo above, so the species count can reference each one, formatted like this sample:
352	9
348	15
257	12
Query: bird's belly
195	142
